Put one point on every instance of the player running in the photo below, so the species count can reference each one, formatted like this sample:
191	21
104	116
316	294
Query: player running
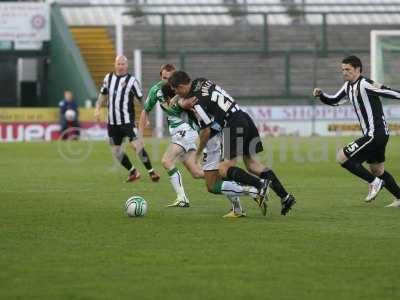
183	131
240	135
183	136
212	156
119	90
364	94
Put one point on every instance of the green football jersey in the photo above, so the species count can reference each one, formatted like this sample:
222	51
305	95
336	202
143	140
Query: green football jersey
175	114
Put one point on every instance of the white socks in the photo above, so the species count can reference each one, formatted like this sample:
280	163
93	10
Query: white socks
231	188
175	178
237	208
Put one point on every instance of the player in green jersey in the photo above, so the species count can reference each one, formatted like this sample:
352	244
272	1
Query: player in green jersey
212	156
183	136
183	130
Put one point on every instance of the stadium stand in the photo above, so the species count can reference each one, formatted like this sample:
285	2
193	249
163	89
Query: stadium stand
259	75
220	25
109	10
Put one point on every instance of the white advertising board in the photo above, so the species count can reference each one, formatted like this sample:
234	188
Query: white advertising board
320	120
24	21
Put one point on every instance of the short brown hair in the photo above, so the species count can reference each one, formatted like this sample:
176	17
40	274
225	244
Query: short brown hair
178	78
354	61
167	67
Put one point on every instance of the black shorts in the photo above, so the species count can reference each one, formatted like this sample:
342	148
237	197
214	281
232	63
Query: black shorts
240	136
118	132
366	148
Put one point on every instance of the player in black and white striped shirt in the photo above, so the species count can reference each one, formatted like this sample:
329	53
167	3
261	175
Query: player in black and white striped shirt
119	90
214	107
364	95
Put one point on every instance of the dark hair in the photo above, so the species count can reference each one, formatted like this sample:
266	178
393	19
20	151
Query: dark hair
178	78
167	91
354	61
167	67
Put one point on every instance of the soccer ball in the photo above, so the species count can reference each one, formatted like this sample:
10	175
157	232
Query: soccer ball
136	206
70	115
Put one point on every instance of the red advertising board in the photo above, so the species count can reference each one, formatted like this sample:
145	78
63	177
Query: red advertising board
42	131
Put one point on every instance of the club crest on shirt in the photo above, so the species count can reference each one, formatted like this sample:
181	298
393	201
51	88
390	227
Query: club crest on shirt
123	84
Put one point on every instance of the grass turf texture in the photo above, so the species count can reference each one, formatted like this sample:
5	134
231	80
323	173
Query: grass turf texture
64	234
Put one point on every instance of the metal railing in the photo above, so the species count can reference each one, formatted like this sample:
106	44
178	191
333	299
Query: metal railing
264	46
304	4
320	49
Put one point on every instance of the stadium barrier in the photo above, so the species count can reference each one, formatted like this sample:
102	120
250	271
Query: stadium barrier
42	124
308	120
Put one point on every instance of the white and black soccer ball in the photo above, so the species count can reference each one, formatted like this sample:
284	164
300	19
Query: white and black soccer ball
136	206
70	115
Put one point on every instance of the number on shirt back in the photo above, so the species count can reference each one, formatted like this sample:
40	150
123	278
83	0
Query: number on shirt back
222	98
352	147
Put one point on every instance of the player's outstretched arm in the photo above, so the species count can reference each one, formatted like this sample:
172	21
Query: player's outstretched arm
381	90
332	100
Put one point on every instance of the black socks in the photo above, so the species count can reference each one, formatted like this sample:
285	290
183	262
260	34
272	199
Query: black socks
358	170
145	159
390	184
241	176
275	185
126	162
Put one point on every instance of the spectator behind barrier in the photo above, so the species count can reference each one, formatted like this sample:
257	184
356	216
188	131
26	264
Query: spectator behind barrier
69	116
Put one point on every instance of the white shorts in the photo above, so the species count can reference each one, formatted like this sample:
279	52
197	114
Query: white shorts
184	136
212	154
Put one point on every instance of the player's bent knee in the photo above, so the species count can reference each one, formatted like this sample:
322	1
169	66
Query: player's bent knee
224	167
340	157
377	171
223	170
250	165
166	163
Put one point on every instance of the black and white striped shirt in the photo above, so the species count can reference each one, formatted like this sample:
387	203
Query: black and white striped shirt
214	104
121	91
364	96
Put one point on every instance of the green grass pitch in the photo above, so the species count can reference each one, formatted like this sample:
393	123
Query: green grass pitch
64	234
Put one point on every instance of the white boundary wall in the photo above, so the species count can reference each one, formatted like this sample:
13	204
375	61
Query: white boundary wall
328	121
